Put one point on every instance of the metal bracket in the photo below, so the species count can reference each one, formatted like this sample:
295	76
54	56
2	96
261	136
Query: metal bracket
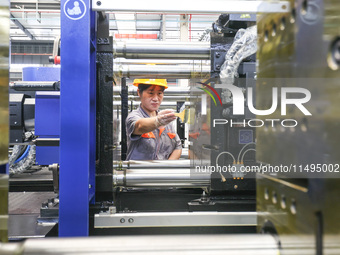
174	219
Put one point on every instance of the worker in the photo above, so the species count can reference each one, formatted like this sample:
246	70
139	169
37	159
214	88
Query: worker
150	133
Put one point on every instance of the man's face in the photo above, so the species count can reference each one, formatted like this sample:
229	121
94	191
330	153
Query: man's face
151	98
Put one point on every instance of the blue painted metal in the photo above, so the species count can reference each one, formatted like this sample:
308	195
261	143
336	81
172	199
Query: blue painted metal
47	112
41	74
77	109
47	155
47	125
47	106
4	169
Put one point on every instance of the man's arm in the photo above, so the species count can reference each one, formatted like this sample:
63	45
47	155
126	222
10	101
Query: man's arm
176	154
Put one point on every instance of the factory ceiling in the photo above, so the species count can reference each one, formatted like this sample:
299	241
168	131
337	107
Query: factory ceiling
40	20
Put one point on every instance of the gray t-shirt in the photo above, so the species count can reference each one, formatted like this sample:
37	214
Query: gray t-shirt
158	144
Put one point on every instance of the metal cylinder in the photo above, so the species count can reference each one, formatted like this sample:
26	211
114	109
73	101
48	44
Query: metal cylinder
162	71
161	244
162	178
147	164
123	61
162	106
161	50
169	91
35	85
165	98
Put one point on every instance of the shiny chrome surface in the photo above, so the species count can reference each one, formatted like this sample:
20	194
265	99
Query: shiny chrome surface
123	61
174	219
168	91
142	245
165	98
162	71
161	50
162	178
147	164
165	104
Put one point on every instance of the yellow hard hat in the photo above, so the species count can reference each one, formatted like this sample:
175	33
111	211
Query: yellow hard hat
158	82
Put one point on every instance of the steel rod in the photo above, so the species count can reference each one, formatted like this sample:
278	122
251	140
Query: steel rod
197	244
35	86
161	50
163	177
164	104
162	71
165	98
123	61
137	164
169	91
149	244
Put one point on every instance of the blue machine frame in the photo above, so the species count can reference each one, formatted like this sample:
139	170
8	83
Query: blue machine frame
47	125
78	116
47	115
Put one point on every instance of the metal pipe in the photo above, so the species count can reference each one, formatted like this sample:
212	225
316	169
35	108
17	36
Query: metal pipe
35	85
123	61
147	164
155	244
164	177
164	104
124	113
165	98
161	50
162	71
169	91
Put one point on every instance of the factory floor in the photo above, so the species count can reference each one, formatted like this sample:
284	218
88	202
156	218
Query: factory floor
26	194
